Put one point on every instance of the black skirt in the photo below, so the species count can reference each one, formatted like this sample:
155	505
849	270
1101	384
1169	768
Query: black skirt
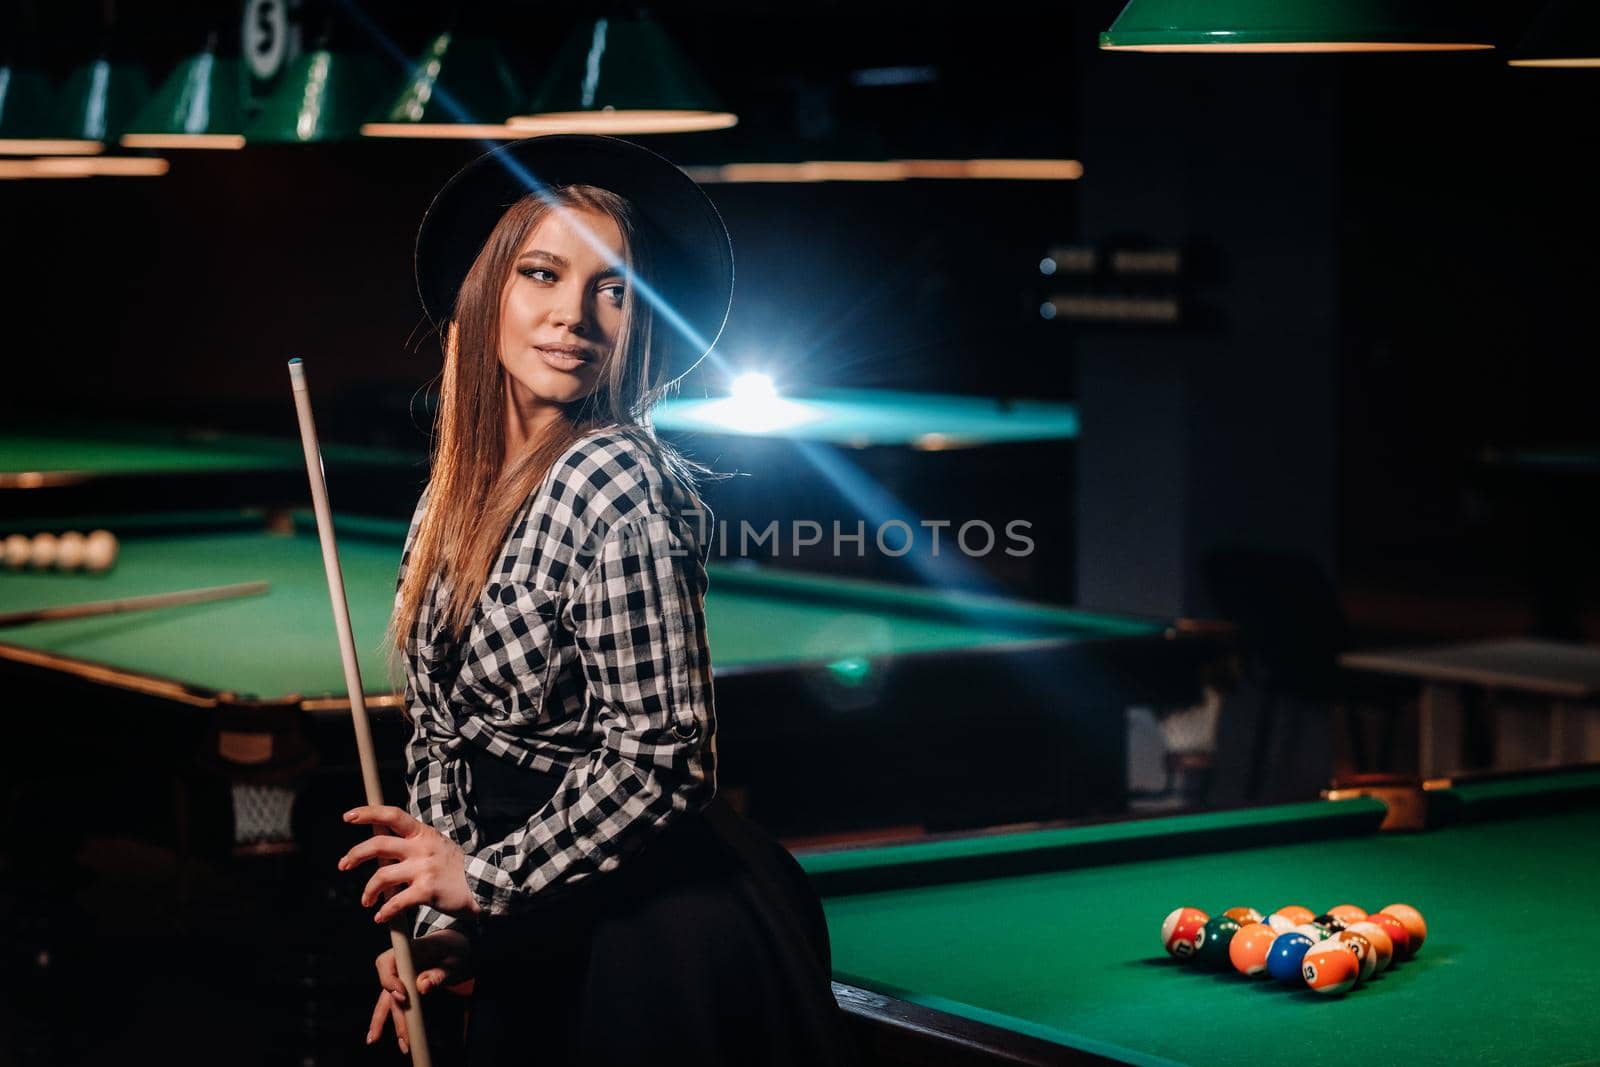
707	946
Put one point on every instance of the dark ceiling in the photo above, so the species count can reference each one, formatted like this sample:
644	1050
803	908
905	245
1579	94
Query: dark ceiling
987	85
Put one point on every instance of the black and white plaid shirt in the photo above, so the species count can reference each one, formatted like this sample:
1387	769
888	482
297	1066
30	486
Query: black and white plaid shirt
586	655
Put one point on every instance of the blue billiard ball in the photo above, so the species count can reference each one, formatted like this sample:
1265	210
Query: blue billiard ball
1283	958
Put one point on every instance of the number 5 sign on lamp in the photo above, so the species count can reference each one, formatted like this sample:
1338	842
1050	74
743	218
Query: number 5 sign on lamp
270	36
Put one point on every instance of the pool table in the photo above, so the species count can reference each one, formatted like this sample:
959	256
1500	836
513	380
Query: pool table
64	470
1043	947
848	456
940	709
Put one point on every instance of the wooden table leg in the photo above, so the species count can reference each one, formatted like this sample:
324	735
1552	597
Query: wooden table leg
1439	730
1566	734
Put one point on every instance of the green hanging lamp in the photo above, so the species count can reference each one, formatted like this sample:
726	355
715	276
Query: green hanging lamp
324	96
99	100
200	105
29	119
1293	26
1566	34
623	76
461	86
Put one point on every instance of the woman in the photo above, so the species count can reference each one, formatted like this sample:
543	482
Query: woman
563	846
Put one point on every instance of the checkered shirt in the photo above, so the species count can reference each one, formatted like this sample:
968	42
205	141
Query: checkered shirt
585	656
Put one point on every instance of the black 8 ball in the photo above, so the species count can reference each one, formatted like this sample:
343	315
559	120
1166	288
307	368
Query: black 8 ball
1211	943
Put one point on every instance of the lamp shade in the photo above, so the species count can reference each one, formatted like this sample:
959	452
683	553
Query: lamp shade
1293	26
324	96
461	86
99	100
1566	34
200	105
29	120
621	76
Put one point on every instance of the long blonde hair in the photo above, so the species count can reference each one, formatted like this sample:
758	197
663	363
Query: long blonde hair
471	500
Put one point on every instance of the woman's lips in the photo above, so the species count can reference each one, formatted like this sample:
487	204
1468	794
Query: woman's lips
560	358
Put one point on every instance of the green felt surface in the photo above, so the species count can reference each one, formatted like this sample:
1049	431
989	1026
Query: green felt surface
272	645
283	643
861	417
125	451
1508	975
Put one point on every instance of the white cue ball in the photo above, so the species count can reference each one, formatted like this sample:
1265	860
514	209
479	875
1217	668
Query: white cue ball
18	548
100	552
43	554
70	550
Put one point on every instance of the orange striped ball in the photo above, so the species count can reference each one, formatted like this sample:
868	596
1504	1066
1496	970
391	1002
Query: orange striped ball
1330	967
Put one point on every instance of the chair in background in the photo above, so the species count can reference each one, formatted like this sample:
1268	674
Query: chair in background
1291	631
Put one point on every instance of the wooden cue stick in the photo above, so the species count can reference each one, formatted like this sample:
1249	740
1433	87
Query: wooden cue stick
400	925
148	602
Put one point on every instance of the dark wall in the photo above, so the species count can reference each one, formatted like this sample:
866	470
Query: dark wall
1218	430
183	296
1399	286
1469	231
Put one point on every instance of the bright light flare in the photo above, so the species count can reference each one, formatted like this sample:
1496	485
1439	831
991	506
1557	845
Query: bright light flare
746	414
754	386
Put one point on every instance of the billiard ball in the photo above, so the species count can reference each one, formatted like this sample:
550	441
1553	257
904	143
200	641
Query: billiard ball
1415	924
1296	914
18	549
1243	916
43	553
1178	931
69	550
1365	952
1331	967
1280	924
1283	960
1315	931
1249	947
1331	921
1212	943
1397	933
1381	943
100	551
1347	913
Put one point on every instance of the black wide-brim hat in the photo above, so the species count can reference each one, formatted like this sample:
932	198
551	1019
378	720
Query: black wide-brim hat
691	260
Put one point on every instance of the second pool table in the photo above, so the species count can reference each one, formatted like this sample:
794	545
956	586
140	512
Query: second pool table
868	418
937	708
69	470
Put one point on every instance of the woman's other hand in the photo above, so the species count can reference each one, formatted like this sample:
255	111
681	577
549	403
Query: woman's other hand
432	868
442	958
